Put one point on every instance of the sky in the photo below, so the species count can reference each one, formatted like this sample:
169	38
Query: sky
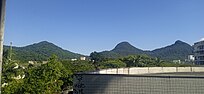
84	26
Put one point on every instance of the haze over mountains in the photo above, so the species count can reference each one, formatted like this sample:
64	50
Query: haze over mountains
43	50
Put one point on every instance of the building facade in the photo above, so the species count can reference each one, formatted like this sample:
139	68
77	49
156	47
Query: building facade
199	52
82	58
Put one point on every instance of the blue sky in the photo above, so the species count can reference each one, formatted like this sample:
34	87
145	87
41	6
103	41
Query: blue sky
84	26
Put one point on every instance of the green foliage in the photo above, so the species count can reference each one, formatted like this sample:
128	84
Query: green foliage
78	66
96	59
56	76
43	50
75	67
13	87
112	64
47	78
146	61
177	51
11	69
139	61
125	48
40	52
169	64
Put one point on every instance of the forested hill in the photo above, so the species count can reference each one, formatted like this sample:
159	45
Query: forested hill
125	48
178	50
43	50
40	51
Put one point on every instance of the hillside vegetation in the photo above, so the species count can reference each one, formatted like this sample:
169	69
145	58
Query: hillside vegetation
56	75
177	51
40	52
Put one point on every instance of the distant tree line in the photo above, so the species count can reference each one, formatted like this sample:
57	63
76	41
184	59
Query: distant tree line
100	62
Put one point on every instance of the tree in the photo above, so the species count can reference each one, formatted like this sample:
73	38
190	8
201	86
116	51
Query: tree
113	64
159	61
47	78
141	61
96	59
133	61
78	66
12	74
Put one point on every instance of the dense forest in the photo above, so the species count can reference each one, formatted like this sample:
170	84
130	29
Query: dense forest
40	52
43	50
177	51
56	74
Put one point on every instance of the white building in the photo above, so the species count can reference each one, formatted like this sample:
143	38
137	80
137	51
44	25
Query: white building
199	52
177	61
82	58
74	59
191	58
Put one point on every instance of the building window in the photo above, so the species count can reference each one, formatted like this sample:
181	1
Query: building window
200	47
201	57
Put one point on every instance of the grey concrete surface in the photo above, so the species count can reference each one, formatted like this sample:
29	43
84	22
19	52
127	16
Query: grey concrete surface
139	84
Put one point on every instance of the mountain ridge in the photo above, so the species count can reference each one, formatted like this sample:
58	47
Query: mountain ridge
41	51
44	49
178	50
126	46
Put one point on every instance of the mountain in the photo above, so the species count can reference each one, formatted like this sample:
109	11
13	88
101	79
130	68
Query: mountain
125	48
178	50
40	51
121	49
43	50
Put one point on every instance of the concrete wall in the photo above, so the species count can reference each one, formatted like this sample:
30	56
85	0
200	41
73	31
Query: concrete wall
132	84
148	70
106	82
